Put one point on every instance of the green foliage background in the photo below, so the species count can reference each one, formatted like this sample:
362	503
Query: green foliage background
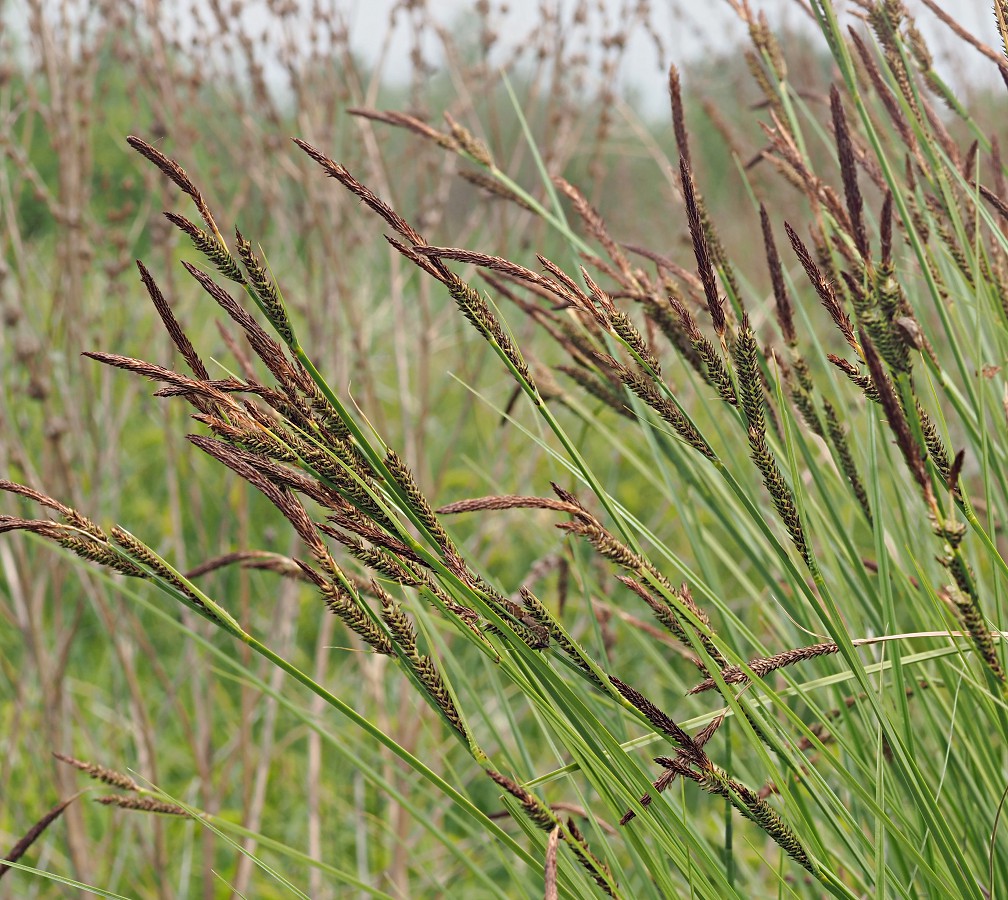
102	669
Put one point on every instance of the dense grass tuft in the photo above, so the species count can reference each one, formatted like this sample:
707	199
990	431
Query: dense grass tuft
754	641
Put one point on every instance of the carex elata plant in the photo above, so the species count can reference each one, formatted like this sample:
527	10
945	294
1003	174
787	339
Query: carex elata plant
835	467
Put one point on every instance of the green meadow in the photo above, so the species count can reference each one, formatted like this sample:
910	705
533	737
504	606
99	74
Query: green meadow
464	484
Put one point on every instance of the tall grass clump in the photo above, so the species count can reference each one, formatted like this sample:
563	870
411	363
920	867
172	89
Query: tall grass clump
763	656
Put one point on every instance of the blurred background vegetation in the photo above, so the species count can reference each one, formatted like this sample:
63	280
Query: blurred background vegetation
90	668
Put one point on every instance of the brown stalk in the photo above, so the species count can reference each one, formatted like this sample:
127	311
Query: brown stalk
701	249
848	171
223	299
209	246
678	116
897	418
675	766
510	501
251	559
1001	17
468	143
665	264
691	751
493	187
965	35
827	294
34	833
545	819
885	229
993	199
177	174
575	296
36	496
785	315
143	804
364	193
410	123
764	665
892	108
172	326
100	773
596	226
159	373
498	264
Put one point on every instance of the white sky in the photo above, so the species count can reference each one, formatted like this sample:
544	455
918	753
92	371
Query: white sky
689	29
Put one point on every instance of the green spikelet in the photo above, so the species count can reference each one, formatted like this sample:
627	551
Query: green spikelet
268	294
751	396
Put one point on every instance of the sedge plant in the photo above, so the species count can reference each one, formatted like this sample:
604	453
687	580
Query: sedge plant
772	661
